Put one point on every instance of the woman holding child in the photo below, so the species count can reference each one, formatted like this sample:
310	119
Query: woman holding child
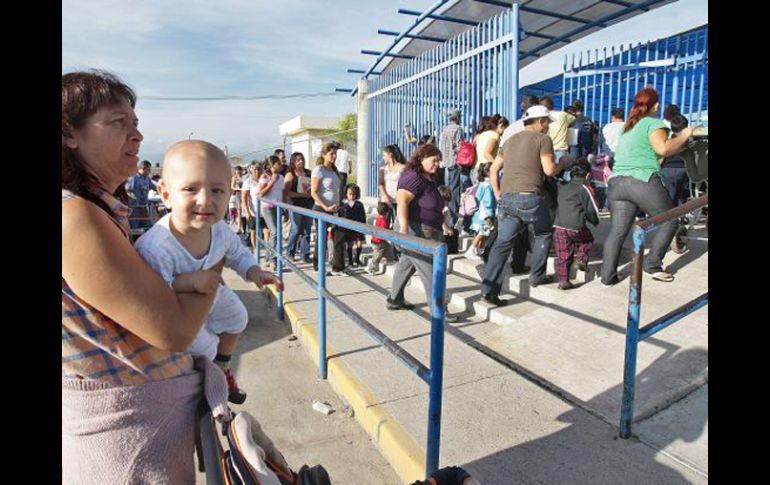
129	391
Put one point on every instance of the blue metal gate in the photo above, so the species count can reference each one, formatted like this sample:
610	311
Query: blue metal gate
475	72
677	67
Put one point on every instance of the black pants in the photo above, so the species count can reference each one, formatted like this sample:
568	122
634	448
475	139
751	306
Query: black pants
338	233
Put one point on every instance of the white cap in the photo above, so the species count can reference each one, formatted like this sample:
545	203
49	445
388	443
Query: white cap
537	111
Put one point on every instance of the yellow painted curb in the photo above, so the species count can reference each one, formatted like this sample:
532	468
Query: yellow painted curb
400	449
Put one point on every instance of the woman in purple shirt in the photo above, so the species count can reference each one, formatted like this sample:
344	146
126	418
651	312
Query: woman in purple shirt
419	205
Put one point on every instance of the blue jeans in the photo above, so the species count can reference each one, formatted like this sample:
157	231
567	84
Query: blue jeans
628	195
300	231
269	216
514	210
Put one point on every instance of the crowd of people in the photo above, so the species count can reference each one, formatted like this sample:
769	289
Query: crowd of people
148	329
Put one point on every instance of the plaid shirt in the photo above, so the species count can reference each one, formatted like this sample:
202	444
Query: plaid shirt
97	348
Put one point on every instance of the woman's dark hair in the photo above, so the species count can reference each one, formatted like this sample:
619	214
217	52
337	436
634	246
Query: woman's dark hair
484	171
83	94
644	101
547	101
504	122
670	111
272	160
395	152
483	125
295	156
421	153
678	123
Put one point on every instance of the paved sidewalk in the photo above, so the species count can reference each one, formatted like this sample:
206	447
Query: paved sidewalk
532	401
282	384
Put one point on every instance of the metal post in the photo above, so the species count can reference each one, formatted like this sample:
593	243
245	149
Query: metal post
279	257
438	310
362	142
632	334
321	243
515	64
257	229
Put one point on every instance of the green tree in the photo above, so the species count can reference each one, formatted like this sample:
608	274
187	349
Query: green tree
348	122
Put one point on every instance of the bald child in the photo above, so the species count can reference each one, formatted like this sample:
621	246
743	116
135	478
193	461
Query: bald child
193	237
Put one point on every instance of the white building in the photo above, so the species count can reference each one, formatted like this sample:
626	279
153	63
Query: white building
306	134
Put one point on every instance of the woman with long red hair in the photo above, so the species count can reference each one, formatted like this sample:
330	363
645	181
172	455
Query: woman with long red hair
635	184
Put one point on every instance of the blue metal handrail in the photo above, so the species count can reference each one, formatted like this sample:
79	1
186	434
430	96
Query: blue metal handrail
634	334
434	375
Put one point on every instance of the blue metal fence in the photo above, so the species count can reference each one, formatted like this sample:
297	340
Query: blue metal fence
475	72
677	67
634	334
433	376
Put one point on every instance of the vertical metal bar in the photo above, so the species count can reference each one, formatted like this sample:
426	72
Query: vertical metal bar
594	100
564	80
438	309
632	333
647	69
628	82
702	75
279	257
683	105
258	230
619	62
664	90
601	89
516	28
321	242
675	72
655	70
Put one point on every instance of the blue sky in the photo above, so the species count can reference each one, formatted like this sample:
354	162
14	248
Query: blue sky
258	47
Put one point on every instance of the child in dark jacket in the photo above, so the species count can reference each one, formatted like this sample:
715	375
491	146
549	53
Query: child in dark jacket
354	210
576	206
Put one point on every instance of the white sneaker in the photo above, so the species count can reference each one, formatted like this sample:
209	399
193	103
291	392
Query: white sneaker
472	254
370	269
344	272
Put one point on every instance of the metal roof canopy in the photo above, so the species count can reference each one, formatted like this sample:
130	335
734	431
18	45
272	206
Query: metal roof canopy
547	24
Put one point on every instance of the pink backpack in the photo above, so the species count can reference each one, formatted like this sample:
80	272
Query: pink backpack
468	203
466	157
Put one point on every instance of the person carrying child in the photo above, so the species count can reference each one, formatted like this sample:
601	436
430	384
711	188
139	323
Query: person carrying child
380	248
354	210
483	220
193	237
576	206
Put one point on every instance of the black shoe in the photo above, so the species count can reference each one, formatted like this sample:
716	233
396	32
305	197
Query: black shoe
392	305
523	270
543	281
613	281
582	267
494	299
566	286
234	394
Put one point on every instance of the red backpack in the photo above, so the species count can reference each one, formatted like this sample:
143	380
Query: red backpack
466	156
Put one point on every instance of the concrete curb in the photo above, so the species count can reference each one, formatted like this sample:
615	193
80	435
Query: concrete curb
403	453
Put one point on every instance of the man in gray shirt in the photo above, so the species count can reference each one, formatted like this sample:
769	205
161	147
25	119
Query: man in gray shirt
527	158
449	144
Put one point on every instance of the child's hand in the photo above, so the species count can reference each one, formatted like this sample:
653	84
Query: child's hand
262	278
